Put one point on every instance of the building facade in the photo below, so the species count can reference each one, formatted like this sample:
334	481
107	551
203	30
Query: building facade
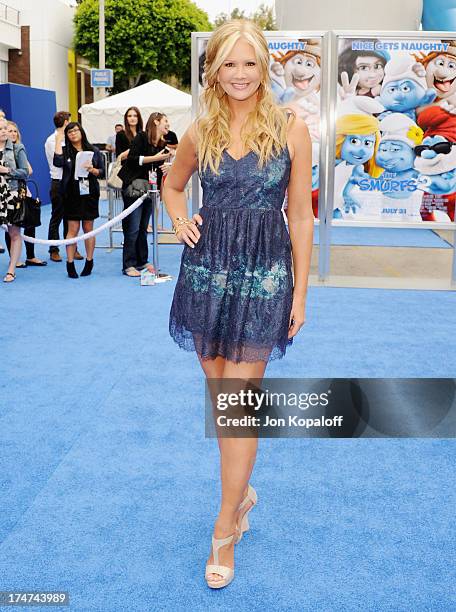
36	47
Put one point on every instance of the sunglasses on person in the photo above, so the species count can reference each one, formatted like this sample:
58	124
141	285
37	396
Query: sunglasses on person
438	147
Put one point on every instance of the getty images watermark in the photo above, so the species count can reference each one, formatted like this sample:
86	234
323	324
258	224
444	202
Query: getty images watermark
331	408
261	400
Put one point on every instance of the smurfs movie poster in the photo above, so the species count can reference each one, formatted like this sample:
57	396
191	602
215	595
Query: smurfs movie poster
295	71
396	130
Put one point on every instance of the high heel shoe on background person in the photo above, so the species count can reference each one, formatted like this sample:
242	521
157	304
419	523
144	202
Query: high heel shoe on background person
88	267
245	526
226	572
71	270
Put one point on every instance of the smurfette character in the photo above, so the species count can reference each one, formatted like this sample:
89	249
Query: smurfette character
436	163
401	198
404	87
357	140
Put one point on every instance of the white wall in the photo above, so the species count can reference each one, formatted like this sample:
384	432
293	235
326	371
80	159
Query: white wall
51	35
10	38
348	14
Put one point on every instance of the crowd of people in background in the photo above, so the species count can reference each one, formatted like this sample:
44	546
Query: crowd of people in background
74	196
147	150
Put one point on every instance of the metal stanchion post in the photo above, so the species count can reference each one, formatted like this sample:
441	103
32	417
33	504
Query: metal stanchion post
155	197
153	194
110	215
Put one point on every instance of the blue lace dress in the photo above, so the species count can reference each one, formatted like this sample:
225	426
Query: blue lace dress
233	295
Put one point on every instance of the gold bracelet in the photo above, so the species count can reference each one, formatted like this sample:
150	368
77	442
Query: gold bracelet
180	222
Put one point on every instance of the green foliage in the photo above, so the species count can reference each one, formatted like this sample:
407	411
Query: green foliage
263	16
145	39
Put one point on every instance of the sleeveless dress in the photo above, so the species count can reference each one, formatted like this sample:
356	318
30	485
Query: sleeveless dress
233	295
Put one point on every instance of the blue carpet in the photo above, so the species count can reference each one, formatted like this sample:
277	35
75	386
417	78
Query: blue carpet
107	481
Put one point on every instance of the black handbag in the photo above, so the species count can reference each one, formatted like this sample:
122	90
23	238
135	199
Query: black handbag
137	188
32	208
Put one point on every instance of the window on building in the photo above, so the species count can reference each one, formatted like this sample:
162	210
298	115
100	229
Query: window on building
3	71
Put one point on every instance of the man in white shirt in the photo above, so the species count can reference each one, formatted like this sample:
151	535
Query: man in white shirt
111	140
61	120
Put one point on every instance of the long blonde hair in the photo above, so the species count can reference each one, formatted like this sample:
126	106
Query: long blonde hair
265	128
363	125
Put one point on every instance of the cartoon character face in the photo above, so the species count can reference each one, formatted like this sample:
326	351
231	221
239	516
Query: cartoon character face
430	160
357	149
303	73
441	75
430	141
370	70
395	156
404	95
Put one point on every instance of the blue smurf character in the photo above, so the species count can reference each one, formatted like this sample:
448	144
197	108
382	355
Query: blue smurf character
404	87
396	154
357	141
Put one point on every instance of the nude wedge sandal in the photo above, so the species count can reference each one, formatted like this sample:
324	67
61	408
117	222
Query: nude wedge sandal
226	572
245	526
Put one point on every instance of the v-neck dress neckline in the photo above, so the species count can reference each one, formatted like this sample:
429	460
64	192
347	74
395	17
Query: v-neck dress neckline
240	158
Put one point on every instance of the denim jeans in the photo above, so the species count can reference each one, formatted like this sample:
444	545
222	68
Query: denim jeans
135	250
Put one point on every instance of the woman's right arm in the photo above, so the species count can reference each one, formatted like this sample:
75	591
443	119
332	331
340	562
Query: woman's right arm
185	164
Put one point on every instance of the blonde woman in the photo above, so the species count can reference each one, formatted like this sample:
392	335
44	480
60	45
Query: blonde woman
14	136
235	302
13	167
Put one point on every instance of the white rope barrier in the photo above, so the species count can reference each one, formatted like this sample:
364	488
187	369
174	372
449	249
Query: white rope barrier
94	232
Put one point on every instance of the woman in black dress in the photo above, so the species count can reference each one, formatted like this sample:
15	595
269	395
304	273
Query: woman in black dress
81	195
147	150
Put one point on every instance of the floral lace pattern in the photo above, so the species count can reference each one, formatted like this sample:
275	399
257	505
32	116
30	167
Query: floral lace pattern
261	283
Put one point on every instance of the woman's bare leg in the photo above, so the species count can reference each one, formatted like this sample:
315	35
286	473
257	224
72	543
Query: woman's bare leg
87	226
16	247
237	458
73	231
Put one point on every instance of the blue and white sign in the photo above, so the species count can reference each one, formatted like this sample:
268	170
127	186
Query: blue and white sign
101	77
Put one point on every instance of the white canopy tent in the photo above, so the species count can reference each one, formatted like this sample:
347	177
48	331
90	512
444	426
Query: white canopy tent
99	118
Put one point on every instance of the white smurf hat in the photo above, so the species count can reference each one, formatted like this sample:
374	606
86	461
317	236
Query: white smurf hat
400	127
359	105
404	67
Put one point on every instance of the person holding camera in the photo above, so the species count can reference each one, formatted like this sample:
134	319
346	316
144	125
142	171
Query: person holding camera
147	150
